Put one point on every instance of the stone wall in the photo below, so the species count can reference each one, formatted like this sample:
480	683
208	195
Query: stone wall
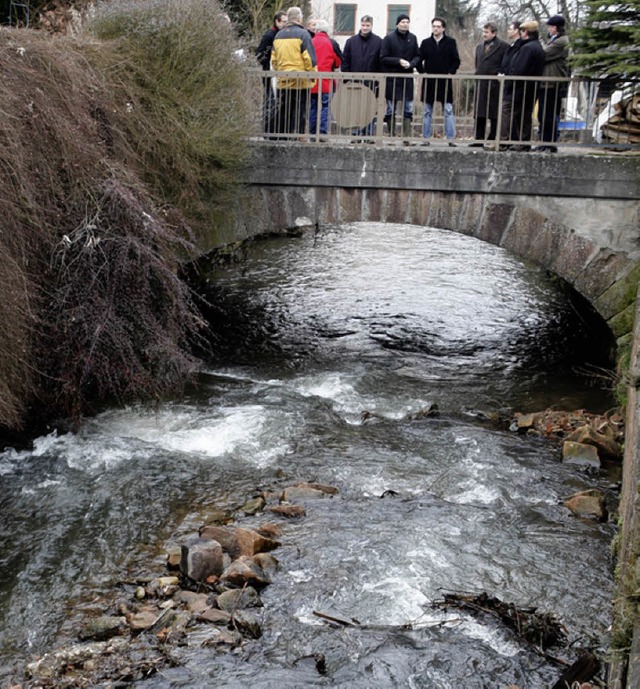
625	653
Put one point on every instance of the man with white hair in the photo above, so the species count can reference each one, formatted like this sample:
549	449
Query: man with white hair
327	61
293	51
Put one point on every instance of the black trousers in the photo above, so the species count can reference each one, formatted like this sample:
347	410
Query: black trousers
549	105
481	128
292	110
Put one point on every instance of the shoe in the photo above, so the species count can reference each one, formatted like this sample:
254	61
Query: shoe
426	143
520	148
476	145
452	145
546	149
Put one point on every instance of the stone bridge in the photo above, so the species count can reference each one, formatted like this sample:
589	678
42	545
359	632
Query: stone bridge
576	214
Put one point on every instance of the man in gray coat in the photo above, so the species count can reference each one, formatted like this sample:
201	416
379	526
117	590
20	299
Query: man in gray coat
489	56
550	95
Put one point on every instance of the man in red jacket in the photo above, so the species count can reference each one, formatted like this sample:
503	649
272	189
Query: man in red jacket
328	61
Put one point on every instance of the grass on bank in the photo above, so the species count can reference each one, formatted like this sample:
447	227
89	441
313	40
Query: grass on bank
114	149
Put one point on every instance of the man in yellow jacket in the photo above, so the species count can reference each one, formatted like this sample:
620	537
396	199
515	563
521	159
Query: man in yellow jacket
293	51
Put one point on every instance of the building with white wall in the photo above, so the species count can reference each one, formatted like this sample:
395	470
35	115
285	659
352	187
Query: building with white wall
344	17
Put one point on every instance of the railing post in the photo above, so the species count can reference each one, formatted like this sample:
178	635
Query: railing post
496	143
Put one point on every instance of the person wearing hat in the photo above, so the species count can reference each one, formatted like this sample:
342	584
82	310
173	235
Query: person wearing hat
520	95
438	57
551	93
399	55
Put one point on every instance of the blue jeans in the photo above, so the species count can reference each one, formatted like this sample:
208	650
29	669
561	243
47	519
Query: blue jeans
449	122
407	106
324	113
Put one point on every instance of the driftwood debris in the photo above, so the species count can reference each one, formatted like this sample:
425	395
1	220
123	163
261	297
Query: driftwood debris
539	629
582	670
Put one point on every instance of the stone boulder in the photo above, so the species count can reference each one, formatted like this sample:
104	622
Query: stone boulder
238	541
247	624
239	599
144	619
201	559
588	503
244	571
606	445
254	505
580	453
289	511
102	628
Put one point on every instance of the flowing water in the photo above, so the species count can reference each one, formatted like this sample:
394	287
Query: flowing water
327	344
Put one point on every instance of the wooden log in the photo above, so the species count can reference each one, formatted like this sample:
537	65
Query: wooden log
581	671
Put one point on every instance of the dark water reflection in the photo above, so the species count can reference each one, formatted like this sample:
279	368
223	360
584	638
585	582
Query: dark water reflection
311	332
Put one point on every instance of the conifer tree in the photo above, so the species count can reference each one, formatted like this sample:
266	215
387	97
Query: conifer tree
608	44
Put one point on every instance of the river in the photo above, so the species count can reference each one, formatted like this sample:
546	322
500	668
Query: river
325	346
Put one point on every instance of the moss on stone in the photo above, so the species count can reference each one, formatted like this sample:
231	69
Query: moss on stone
620	295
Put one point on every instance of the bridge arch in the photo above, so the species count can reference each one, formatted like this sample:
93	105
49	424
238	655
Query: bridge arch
577	216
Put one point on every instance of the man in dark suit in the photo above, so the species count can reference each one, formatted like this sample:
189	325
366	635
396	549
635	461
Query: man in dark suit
489	56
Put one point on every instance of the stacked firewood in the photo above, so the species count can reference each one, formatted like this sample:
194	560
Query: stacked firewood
623	127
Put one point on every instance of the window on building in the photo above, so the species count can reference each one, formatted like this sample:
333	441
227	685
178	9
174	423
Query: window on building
393	11
344	20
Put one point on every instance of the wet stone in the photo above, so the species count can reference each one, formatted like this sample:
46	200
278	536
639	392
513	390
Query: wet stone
247	624
174	554
254	505
238	541
266	561
579	453
606	446
144	619
588	503
303	492
214	616
289	511
239	599
201	558
245	571
102	628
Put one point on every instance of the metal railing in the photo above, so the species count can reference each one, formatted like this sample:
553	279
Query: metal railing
519	112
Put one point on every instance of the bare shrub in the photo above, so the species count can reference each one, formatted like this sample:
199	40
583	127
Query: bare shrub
183	97
105	148
114	298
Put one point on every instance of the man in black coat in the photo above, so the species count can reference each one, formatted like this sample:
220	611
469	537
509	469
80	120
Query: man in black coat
399	55
438	56
489	56
263	53
520	95
362	51
362	54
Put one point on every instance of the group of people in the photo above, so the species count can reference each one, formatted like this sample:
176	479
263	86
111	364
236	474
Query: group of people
290	47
